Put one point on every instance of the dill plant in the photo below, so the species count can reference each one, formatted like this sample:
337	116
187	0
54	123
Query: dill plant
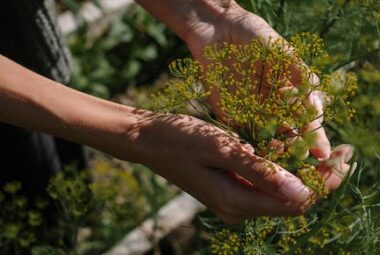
263	92
106	202
21	219
257	99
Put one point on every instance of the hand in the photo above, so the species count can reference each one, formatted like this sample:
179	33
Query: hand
336	167
237	25
200	23
202	160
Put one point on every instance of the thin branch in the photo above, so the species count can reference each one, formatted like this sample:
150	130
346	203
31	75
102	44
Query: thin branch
356	58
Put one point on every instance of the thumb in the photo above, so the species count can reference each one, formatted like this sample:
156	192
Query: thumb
267	176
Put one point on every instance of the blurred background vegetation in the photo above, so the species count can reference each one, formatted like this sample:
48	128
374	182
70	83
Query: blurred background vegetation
123	60
133	49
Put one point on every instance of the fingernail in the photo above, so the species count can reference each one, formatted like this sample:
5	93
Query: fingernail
343	152
324	157
320	154
309	202
353	168
349	153
333	162
347	150
294	190
249	148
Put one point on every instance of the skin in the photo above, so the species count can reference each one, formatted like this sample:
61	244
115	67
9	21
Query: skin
203	160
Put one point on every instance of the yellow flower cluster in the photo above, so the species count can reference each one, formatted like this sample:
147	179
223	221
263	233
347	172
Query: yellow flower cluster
262	90
252	242
20	218
292	228
338	88
310	48
309	175
225	242
185	87
264	234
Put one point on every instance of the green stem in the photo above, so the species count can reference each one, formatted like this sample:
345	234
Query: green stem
335	68
261	81
325	220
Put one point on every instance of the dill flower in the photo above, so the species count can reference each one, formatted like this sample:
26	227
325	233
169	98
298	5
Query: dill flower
256	98
262	91
225	242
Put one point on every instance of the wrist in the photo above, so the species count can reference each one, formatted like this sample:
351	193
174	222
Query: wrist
144	131
133	145
34	102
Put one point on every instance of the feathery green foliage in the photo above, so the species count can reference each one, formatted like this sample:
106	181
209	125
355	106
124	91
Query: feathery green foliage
258	97
255	99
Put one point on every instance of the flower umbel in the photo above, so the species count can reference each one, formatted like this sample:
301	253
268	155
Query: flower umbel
261	90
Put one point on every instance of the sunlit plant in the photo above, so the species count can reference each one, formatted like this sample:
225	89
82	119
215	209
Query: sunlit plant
264	92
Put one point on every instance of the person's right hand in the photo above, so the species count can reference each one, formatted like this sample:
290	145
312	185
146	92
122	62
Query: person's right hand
205	161
198	157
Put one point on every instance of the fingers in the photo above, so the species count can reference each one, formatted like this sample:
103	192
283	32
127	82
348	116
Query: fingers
333	180
249	148
336	167
239	202
266	175
228	198
235	201
277	146
321	148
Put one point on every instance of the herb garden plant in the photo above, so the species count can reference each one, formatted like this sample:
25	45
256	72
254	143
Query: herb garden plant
264	91
348	221
270	98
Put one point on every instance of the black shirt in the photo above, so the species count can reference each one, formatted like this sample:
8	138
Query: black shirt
29	35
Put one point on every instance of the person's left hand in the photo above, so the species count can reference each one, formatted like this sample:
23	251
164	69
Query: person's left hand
239	26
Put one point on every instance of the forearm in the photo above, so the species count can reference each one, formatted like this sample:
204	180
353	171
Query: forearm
183	16
31	101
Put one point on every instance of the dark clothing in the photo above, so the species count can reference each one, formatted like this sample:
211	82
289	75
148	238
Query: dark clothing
29	36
